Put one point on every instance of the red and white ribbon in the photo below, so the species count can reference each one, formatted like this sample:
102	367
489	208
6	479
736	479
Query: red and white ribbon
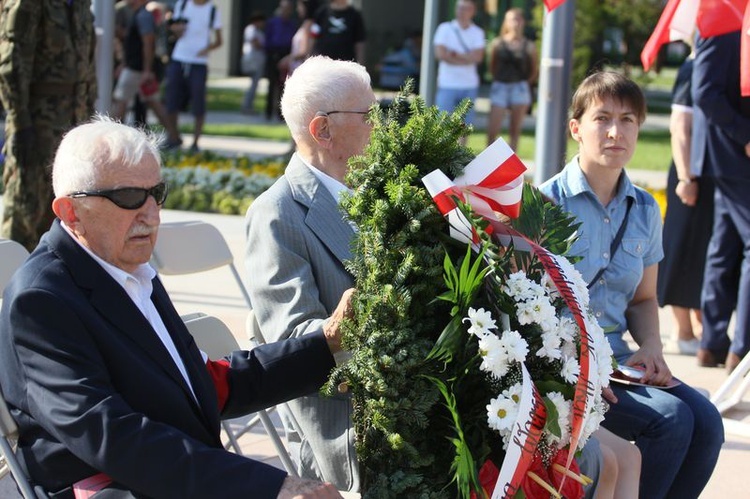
492	183
524	440
588	382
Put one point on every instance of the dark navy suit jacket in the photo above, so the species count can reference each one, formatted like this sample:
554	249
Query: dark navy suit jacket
716	91
93	389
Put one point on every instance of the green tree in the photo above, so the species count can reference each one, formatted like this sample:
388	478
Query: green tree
636	19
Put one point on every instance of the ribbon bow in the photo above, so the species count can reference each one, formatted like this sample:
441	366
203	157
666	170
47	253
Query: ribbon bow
492	183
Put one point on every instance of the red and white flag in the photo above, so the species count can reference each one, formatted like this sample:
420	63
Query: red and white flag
677	22
719	17
680	18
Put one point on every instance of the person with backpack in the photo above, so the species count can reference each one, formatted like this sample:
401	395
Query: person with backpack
197	26
137	77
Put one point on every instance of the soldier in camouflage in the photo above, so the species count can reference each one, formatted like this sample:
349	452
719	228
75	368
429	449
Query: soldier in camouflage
47	85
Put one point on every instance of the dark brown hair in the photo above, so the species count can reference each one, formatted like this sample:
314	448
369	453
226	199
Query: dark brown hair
608	84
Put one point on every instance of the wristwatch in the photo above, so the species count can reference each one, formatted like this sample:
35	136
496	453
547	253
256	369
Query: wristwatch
687	181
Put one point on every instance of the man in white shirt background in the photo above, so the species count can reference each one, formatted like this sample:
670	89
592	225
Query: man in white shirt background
459	48
197	24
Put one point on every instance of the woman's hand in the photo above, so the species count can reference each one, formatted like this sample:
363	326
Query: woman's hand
651	357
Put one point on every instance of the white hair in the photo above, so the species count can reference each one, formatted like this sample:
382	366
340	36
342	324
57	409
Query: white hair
88	150
319	84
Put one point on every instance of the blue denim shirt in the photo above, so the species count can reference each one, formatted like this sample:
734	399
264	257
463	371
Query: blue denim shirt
640	246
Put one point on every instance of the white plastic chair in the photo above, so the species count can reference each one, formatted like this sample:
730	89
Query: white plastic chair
215	339
10	433
12	255
194	246
731	393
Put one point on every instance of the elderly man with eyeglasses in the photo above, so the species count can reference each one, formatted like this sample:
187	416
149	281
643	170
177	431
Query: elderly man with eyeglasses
298	241
107	386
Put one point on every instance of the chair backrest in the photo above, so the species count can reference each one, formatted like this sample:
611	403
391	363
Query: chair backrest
212	336
189	247
194	246
10	433
12	255
252	328
7	423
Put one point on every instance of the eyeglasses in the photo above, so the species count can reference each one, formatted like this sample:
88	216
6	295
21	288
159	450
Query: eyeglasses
326	114
128	198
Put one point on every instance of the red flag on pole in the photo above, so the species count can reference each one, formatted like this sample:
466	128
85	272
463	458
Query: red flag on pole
719	17
680	18
553	4
745	54
677	22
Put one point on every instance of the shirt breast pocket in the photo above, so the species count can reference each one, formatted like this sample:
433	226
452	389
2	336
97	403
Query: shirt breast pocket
630	262
580	247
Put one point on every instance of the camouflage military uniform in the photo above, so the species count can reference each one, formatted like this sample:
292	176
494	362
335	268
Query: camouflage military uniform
47	85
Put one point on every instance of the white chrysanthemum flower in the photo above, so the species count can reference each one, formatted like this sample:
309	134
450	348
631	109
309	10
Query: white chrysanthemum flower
549	285
501	414
577	284
570	370
515	346
563	419
593	421
567	329
494	356
569	349
602	349
481	321
550	346
549	323
514	392
519	286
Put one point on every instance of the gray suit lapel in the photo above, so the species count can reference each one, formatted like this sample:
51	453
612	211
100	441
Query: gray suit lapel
324	217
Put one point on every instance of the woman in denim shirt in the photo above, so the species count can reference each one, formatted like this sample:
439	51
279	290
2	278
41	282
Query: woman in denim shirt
678	431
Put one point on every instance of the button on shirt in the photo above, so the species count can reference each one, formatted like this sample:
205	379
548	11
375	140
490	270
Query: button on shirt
640	247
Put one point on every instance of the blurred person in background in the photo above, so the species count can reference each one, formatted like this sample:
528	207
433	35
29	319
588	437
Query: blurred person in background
689	219
137	77
253	62
280	30
459	48
302	41
514	68
197	26
47	86
339	32
726	281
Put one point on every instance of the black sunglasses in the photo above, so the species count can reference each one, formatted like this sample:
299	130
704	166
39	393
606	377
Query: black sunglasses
128	198
324	113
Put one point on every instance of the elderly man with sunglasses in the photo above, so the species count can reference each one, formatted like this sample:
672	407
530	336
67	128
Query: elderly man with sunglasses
98	370
298	241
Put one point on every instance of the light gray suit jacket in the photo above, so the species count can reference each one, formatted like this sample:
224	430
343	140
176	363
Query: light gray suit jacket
297	241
